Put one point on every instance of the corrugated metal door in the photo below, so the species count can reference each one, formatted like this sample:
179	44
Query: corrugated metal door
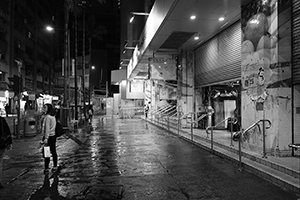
296	42
296	70
219	59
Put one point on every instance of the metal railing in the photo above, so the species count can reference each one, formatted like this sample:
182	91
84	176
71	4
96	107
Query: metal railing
194	122
162	111
130	112
156	111
233	119
185	116
238	136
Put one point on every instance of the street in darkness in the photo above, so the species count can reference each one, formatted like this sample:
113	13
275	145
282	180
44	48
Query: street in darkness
129	159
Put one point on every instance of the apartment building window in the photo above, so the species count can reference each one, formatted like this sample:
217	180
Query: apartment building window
29	35
29	52
18	25
2	54
2	76
40	57
4	5
2	35
30	4
3	15
39	85
28	68
18	43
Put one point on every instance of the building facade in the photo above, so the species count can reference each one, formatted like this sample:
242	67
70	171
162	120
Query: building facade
246	65
25	46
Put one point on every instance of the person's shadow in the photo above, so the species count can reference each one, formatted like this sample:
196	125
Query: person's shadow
47	191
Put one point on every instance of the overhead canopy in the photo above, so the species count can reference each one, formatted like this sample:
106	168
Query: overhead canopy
169	29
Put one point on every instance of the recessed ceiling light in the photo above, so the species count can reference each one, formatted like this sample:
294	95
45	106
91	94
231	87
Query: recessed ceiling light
196	38
193	17
221	19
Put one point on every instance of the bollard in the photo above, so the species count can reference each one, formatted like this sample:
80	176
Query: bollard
264	139
14	124
212	137
231	131
192	135
240	151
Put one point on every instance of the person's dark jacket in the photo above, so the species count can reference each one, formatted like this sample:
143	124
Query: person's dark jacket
5	134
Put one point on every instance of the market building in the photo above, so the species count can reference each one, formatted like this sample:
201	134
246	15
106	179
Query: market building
238	57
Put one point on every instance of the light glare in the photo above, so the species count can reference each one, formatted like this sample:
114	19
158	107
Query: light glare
193	17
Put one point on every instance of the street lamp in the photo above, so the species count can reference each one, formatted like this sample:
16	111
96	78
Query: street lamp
136	13
90	82
49	28
66	65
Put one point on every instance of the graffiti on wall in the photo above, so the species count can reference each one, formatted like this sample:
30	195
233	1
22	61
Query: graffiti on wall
264	63
266	69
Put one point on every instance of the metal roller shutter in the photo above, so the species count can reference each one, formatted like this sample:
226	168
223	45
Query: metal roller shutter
219	59
296	69
296	41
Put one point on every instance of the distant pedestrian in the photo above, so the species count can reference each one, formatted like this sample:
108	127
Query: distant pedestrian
146	110
49	138
7	109
5	143
90	113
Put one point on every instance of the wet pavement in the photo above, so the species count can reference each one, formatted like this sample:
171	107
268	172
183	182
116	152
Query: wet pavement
128	159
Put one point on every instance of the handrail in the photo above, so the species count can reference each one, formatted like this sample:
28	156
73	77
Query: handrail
200	118
173	115
172	112
186	115
169	109
256	123
156	110
163	111
238	137
221	122
159	109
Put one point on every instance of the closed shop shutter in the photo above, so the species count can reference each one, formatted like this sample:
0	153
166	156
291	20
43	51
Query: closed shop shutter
296	42
219	59
296	69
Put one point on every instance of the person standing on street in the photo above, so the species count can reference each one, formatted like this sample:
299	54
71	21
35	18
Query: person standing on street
7	109
146	109
90	113
49	138
5	143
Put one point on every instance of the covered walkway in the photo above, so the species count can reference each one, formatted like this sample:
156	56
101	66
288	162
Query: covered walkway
282	171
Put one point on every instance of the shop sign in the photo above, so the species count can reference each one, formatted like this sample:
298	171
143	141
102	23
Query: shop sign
31	97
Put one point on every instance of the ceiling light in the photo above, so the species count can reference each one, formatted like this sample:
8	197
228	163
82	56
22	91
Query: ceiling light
193	17
221	19
196	38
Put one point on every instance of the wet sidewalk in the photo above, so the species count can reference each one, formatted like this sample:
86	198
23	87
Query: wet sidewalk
282	171
131	160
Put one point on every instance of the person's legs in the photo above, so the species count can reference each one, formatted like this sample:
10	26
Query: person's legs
2	151
47	162
52	144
